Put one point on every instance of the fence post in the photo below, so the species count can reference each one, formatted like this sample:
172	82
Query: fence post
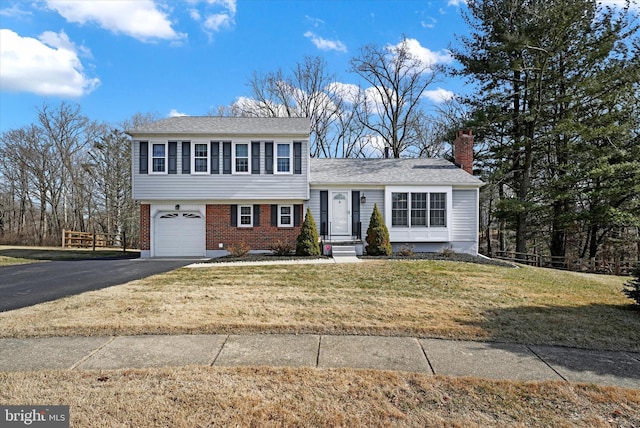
93	235
63	238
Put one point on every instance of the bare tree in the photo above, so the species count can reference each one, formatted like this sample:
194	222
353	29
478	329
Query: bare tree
308	91
392	105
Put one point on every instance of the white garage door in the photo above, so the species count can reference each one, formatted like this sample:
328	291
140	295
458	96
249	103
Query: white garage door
179	234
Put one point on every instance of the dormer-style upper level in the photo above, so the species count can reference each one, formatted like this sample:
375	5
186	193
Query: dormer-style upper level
221	158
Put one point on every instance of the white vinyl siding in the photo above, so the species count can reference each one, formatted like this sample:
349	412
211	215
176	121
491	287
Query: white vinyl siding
465	215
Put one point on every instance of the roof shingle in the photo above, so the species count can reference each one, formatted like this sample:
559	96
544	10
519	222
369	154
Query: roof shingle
211	125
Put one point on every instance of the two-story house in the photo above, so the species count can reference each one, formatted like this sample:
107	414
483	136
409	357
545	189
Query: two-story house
208	183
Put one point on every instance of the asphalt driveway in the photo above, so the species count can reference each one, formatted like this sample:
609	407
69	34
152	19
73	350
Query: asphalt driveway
30	284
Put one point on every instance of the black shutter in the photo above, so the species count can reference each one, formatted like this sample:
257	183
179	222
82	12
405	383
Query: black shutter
297	158
268	158
256	215
255	158
355	211
274	215
297	214
173	157
215	157
226	157
144	157
186	157
234	215
324	211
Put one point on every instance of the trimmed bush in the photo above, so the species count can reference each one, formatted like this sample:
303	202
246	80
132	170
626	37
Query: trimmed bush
632	288
378	243
307	243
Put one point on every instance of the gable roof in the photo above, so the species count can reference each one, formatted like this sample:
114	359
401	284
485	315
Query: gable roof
389	172
210	125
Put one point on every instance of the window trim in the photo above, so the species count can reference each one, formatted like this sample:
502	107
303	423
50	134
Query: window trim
233	159
276	158
165	157
240	215
206	158
291	215
419	233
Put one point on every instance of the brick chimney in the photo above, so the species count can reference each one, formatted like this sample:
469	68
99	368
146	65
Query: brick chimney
463	150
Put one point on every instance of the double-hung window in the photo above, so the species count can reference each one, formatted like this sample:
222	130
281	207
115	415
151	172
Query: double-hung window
241	157
438	210
200	158
159	158
399	206
245	215
418	209
285	215
283	158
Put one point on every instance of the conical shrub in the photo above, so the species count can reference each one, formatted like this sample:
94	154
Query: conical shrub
307	242
378	243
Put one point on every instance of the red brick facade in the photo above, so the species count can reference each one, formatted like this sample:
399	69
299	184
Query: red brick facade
261	237
463	150
145	226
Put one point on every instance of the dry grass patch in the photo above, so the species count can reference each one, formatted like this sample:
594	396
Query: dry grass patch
409	298
206	396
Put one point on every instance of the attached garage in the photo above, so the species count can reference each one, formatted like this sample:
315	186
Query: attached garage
179	234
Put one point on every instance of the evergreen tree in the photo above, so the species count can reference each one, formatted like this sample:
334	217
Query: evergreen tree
378	243
557	85
632	288
307	243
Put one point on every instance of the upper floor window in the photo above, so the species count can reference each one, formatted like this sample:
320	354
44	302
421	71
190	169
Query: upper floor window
241	158
201	158
283	158
159	158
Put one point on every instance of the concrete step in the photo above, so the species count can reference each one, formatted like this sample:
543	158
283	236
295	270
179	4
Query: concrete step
343	251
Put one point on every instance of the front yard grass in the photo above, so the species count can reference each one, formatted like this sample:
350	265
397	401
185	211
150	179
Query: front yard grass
409	298
405	298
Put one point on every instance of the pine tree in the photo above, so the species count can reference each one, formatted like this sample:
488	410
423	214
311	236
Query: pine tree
632	288
307	242
378	243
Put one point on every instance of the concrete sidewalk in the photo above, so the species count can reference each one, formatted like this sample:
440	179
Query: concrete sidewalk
429	356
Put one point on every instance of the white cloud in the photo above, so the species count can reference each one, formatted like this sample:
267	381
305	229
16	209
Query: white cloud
230	5
347	91
218	21
439	95
430	22
426	56
49	66
325	44
176	113
15	12
456	2
140	19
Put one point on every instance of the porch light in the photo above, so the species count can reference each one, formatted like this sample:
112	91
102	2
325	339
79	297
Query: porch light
363	199
177	207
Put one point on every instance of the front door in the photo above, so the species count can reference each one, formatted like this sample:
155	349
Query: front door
340	213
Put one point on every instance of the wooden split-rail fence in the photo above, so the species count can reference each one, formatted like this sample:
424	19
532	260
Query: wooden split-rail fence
612	266
75	239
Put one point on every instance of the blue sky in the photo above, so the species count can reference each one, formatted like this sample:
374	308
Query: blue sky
117	57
